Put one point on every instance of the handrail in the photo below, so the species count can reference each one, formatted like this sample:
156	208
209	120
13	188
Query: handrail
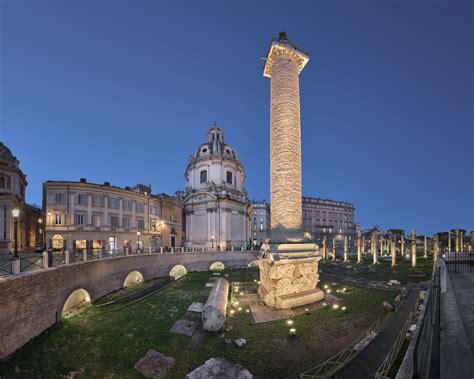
342	358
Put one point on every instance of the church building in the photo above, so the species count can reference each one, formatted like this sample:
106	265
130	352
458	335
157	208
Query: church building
216	207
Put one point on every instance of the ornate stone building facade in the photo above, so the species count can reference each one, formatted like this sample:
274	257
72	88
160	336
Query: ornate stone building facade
12	195
216	207
81	215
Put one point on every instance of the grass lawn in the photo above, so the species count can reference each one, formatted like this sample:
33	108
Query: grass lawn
102	343
383	270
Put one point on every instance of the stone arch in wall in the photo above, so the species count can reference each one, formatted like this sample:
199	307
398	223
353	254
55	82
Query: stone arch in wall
217	266
132	278
177	271
77	300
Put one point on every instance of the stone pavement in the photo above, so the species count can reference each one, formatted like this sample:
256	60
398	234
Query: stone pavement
457	326
366	363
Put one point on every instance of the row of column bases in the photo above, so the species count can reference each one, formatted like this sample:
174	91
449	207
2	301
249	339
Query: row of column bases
384	246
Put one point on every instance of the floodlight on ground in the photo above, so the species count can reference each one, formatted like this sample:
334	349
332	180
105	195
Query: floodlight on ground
292	331
335	306
289	322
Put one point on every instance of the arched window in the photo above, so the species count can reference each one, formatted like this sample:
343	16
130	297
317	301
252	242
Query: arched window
203	176
3	182
229	177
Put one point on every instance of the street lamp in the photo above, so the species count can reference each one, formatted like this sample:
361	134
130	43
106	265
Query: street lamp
15	214
138	242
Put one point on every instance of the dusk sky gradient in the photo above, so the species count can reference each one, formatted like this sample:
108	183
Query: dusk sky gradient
124	91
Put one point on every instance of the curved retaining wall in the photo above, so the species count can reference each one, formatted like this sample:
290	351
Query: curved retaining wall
31	302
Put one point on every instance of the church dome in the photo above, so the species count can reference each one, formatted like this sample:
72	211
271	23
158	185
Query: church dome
215	146
6	154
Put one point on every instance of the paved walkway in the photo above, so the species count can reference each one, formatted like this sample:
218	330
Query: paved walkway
366	363
457	326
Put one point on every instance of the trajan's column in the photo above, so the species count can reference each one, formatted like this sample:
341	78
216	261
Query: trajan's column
288	264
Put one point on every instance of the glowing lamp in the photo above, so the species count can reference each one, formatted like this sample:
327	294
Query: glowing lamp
15	212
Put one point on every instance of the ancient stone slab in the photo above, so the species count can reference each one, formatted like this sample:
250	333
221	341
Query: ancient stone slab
240	342
219	368
388	307
185	327
195	307
154	365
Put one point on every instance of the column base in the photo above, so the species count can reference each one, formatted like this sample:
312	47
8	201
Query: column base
289	275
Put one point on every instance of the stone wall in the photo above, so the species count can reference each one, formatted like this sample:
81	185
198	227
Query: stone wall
33	301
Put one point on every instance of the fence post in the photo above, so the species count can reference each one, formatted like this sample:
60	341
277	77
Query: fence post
242	248
84	255
67	257
16	266
45	259
172	249
161	250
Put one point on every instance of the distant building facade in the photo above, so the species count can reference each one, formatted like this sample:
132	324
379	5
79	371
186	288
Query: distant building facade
12	195
82	215
331	218
217	211
260	221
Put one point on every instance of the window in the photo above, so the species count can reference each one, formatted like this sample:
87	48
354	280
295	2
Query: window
229	177
153	210
57	219
58	198
113	202
203	177
114	221
140	223
140	207
79	219
126	222
82	199
261	226
96	220
97	201
173	216
3	182
153	225
127	205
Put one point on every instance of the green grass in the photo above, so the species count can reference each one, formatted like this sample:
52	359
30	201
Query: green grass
383	270
100	342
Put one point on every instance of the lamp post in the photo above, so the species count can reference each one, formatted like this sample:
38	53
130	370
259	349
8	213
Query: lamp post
138	242
15	214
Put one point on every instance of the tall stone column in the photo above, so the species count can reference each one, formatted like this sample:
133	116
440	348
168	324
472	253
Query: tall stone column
288	263
374	248
363	245
457	240
393	251
346	248
381	245
435	250
359	257
461	242
325	252
449	240
334	243
402	245
413	248
425	246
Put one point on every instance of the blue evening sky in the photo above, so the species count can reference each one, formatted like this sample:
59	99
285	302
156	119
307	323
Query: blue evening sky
124	91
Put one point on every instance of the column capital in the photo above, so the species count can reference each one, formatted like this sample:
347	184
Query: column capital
282	47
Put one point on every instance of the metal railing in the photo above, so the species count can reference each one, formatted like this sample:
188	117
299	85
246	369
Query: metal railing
459	262
384	369
5	266
341	359
59	258
30	263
